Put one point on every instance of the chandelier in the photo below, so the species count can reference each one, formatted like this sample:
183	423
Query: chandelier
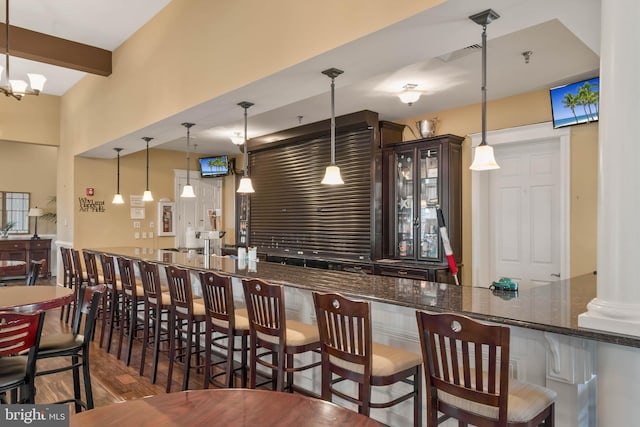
18	88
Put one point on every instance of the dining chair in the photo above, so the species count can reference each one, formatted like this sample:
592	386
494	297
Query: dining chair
35	266
74	346
467	375
274	337
350	356
19	333
185	324
156	314
223	323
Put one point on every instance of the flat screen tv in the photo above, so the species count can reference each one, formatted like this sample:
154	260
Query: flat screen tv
575	103
211	167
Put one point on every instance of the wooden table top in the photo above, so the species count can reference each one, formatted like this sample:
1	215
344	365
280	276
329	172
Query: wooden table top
33	298
223	407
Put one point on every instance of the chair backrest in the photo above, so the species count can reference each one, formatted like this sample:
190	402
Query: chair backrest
67	265
180	289
345	333
150	277
266	309
109	272
218	299
466	359
127	275
92	268
34	271
87	310
78	270
19	332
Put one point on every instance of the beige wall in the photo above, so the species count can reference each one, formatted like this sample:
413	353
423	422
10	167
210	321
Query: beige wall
32	169
520	110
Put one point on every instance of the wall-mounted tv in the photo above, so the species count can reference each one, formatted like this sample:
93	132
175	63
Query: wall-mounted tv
575	103
211	167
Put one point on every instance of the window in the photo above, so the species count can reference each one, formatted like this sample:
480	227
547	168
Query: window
14	208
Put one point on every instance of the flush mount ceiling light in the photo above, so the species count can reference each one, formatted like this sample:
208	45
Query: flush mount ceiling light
18	88
147	196
409	95
484	159
187	190
246	186
117	198
332	173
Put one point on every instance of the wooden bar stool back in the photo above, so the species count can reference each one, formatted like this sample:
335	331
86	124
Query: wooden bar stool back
223	324
132	300
274	337
156	314
19	333
467	373
68	280
350	354
185	324
111	301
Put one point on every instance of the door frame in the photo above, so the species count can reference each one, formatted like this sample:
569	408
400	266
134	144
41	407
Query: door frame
480	225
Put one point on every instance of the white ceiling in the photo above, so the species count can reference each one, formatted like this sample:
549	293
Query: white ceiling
427	49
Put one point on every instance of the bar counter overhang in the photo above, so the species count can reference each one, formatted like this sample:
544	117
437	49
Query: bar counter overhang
547	345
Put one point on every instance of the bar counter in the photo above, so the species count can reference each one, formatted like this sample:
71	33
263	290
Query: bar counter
550	308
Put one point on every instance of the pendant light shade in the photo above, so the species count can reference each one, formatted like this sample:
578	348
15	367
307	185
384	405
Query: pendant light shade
147	196
484	159
187	190
117	198
246	186
332	173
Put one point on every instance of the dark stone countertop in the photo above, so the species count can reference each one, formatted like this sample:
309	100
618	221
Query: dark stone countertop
549	308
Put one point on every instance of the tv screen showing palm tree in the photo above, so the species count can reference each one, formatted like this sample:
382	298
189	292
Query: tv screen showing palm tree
211	167
575	103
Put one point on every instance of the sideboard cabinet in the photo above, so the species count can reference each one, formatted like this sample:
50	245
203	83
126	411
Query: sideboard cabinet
26	250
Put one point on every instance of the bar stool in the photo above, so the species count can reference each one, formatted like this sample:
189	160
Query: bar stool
111	301
223	320
183	310
132	299
278	337
467	372
67	280
156	314
349	353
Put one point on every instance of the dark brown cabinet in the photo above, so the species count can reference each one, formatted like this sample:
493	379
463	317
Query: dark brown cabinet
25	250
418	177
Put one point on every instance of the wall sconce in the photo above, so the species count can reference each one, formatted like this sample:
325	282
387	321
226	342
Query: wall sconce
117	198
147	196
409	95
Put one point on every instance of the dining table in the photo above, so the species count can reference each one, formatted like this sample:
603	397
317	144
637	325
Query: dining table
34	298
223	407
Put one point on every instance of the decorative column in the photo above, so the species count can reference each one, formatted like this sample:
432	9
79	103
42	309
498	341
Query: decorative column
617	305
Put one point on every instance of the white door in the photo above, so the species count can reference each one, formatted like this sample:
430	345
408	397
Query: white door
524	212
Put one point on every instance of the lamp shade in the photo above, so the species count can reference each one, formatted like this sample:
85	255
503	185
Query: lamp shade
187	192
246	186
117	199
484	159
332	176
35	212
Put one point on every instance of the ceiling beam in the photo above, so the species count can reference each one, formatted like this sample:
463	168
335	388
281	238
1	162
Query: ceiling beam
41	47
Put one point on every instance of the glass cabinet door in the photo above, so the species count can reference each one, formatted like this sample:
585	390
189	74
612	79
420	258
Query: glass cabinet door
429	243
405	216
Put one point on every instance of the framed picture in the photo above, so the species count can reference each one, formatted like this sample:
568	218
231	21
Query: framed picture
166	219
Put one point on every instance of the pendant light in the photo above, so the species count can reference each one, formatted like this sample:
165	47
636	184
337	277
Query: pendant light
187	190
245	182
117	198
332	173
147	196
484	159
